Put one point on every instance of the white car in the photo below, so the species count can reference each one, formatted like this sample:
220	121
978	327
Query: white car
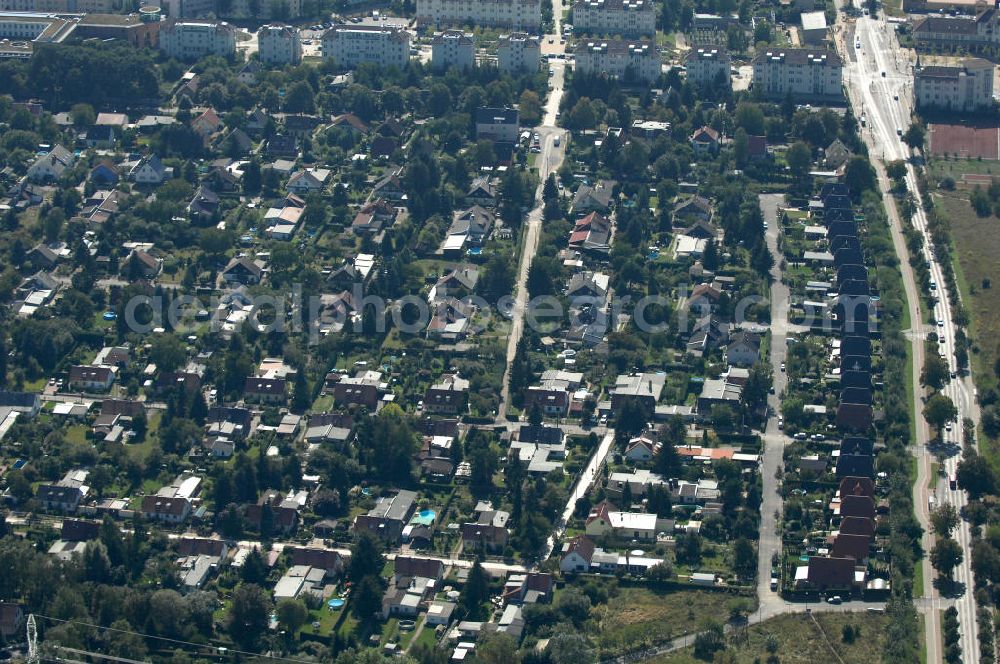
947	426
940	323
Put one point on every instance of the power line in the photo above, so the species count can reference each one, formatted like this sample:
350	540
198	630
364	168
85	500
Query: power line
218	651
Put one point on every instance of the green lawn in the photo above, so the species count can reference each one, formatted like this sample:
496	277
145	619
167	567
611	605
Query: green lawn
800	640
640	617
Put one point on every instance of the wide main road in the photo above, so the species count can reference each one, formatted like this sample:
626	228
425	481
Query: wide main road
879	80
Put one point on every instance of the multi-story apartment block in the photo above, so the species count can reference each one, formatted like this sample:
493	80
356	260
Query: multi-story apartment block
965	88
279	44
63	6
638	60
803	73
518	52
615	17
983	30
708	64
453	48
190	40
513	14
350	45
286	10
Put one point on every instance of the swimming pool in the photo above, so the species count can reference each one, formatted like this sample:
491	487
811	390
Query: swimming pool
424	517
335	603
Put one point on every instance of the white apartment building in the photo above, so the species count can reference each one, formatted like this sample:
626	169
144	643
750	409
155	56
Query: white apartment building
289	9
805	73
513	14
279	44
638	60
518	52
349	45
190	40
34	27
63	6
964	88
453	48
707	64
628	18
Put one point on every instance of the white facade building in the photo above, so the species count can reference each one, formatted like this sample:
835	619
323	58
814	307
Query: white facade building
804	73
619	59
350	45
453	48
965	88
279	44
615	17
514	14
518	52
190	40
707	64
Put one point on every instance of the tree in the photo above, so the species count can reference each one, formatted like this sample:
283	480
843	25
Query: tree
249	614
914	136
567	647
167	353
946	556
301	394
292	614
366	557
744	559
741	147
475	593
859	176
530	108
252	177
496	648
366	598
938	410
935	372
944	519
300	98
975	476
799	158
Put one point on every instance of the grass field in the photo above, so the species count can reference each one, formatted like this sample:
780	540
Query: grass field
641	617
800	640
975	243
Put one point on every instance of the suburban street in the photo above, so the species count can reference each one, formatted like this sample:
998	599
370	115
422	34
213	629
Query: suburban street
878	77
548	161
772	439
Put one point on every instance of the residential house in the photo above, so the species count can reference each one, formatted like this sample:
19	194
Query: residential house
169	509
389	516
265	390
743	349
596	198
374	216
469	228
591	233
150	171
363	389
482	192
142	265
644	388
448	397
577	554
500	125
488	534
391	186
641	449
50	166
91	378
244	271
307	181
705	140
66	495
204	204
694	209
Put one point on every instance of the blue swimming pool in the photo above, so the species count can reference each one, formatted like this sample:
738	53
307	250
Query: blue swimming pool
335	603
